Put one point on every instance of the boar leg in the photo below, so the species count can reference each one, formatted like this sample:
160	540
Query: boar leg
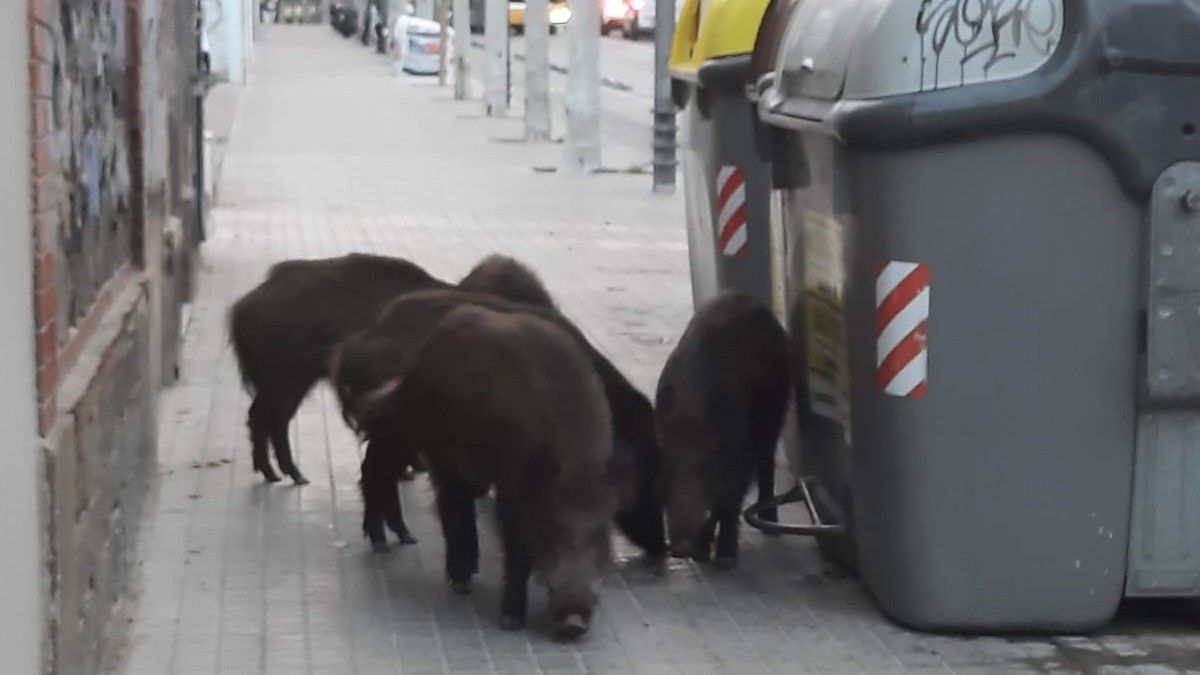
643	523
456	507
386	458
260	431
373	510
393	514
283	450
284	413
517	564
727	519
705	541
765	428
766	484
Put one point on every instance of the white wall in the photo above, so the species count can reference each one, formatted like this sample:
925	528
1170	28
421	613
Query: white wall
235	39
249	20
230	35
20	581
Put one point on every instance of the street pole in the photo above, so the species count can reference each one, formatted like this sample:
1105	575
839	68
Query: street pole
537	71
381	34
583	88
495	28
462	44
443	18
664	106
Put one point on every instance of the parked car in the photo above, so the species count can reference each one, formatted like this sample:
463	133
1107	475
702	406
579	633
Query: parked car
614	14
299	11
343	16
558	15
642	18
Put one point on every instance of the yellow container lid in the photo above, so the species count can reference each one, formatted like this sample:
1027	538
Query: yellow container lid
711	29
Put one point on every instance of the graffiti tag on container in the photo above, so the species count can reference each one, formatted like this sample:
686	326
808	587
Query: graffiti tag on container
978	35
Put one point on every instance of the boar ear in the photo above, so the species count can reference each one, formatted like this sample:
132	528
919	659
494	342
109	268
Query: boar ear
381	393
334	362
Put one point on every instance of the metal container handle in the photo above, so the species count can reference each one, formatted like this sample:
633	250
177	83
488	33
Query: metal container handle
798	494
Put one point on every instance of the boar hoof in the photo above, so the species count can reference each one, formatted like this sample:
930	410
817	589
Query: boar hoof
461	587
511	623
269	475
655	563
299	479
725	562
407	539
571	627
682	552
379	546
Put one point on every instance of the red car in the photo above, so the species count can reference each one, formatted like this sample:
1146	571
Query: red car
620	16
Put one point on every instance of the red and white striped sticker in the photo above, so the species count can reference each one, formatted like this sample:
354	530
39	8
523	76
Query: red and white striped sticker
731	210
901	324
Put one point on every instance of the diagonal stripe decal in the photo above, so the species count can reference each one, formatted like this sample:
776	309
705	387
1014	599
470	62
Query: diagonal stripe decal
902	293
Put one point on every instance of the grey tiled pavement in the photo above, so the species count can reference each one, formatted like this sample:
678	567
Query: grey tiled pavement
331	153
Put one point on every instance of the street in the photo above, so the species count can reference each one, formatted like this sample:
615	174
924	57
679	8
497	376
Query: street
329	151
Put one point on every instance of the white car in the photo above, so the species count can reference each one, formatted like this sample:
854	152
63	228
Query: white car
643	18
417	45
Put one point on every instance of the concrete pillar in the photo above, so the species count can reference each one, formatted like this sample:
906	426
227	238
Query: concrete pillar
583	88
664	106
462	46
443	18
495	28
537	71
21	612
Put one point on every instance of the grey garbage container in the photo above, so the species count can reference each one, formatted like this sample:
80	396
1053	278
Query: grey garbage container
820	383
995	218
726	183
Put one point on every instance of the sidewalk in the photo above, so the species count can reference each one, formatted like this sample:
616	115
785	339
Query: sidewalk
240	577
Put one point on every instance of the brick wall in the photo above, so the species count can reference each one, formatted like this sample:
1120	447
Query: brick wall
42	69
112	120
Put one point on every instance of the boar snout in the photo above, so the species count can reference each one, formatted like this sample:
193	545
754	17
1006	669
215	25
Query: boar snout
682	548
572	626
572	605
685	522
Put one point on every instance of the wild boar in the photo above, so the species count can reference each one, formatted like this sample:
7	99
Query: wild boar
283	330
511	400
505	277
369	359
720	404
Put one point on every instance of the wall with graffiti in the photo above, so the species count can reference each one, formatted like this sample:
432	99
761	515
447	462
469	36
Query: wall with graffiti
91	135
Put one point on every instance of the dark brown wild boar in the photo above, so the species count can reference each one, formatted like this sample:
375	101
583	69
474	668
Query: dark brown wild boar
369	359
283	330
388	455
511	401
721	400
506	278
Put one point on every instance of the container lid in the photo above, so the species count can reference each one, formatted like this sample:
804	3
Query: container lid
1120	76
869	49
712	29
